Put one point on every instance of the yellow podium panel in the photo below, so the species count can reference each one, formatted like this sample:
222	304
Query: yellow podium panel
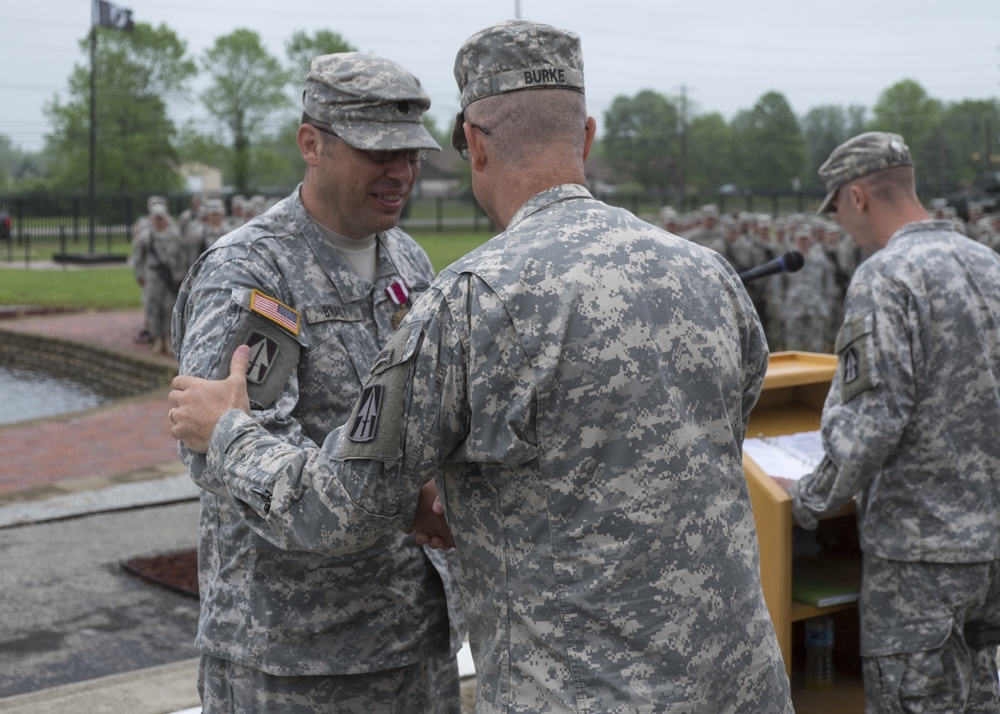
791	401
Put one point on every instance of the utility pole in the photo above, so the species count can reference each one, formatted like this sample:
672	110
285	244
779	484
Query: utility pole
682	169
93	137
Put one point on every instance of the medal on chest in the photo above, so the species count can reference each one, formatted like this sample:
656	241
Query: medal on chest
399	293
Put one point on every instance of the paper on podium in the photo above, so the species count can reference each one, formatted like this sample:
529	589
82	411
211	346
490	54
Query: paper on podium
790	456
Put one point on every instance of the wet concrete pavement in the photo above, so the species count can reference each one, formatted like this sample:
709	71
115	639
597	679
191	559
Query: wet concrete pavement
80	495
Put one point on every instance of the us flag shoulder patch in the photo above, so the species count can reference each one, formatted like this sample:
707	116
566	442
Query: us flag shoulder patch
275	311
365	423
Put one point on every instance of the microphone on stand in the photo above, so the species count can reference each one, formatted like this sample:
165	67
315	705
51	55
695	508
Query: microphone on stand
787	263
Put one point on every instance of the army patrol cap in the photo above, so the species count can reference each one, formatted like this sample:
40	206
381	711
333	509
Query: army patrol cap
214	205
864	154
667	213
511	56
371	103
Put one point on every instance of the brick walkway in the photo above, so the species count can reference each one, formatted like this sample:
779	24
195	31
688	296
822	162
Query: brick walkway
106	443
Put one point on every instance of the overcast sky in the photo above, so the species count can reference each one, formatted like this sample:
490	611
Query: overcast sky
724	54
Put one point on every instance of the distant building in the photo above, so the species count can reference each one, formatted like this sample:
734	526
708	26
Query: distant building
441	175
200	178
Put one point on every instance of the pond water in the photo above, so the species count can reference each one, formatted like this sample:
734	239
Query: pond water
29	394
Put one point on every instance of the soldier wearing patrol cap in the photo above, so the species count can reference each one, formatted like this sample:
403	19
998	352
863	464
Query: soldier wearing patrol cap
909	427
809	295
708	230
210	227
313	285
579	387
161	258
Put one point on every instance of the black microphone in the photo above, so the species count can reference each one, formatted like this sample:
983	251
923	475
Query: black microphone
788	263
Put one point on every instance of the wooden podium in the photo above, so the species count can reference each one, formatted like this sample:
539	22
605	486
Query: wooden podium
791	401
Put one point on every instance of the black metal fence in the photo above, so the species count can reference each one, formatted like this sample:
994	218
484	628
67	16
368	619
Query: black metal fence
60	223
47	223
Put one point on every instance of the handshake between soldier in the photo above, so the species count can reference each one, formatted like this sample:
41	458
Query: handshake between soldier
198	404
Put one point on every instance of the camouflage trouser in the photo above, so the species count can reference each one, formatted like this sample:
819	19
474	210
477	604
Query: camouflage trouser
915	657
427	687
158	306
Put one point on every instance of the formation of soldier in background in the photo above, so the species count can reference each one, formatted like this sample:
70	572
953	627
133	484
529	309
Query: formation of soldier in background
801	310
164	248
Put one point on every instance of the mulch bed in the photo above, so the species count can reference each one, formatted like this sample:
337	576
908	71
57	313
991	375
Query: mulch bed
175	571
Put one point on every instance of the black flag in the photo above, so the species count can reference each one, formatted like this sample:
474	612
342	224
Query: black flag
108	15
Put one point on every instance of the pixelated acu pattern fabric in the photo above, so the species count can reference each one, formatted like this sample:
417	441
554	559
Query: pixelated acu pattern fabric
911	643
515	55
300	613
511	56
430	686
372	103
579	387
910	423
864	154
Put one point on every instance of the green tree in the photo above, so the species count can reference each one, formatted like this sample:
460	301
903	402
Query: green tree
970	136
642	140
302	49
135	74
441	136
906	109
709	148
194	145
246	94
9	158
769	151
20	169
824	128
276	162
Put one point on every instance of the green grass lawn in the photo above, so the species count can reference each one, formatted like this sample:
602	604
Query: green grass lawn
115	287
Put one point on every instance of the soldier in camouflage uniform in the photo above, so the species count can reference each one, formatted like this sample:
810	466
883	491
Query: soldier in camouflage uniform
192	214
909	426
316	287
980	228
708	231
237	213
210	226
809	296
740	252
579	386
161	258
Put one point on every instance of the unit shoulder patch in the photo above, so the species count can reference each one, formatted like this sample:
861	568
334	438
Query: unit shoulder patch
376	426
855	349
274	355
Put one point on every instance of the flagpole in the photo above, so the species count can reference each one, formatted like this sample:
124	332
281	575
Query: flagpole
93	134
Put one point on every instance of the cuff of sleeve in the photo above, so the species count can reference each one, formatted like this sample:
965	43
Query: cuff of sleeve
251	486
802	515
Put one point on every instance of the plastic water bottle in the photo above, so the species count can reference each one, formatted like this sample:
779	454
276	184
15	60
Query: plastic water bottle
819	652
